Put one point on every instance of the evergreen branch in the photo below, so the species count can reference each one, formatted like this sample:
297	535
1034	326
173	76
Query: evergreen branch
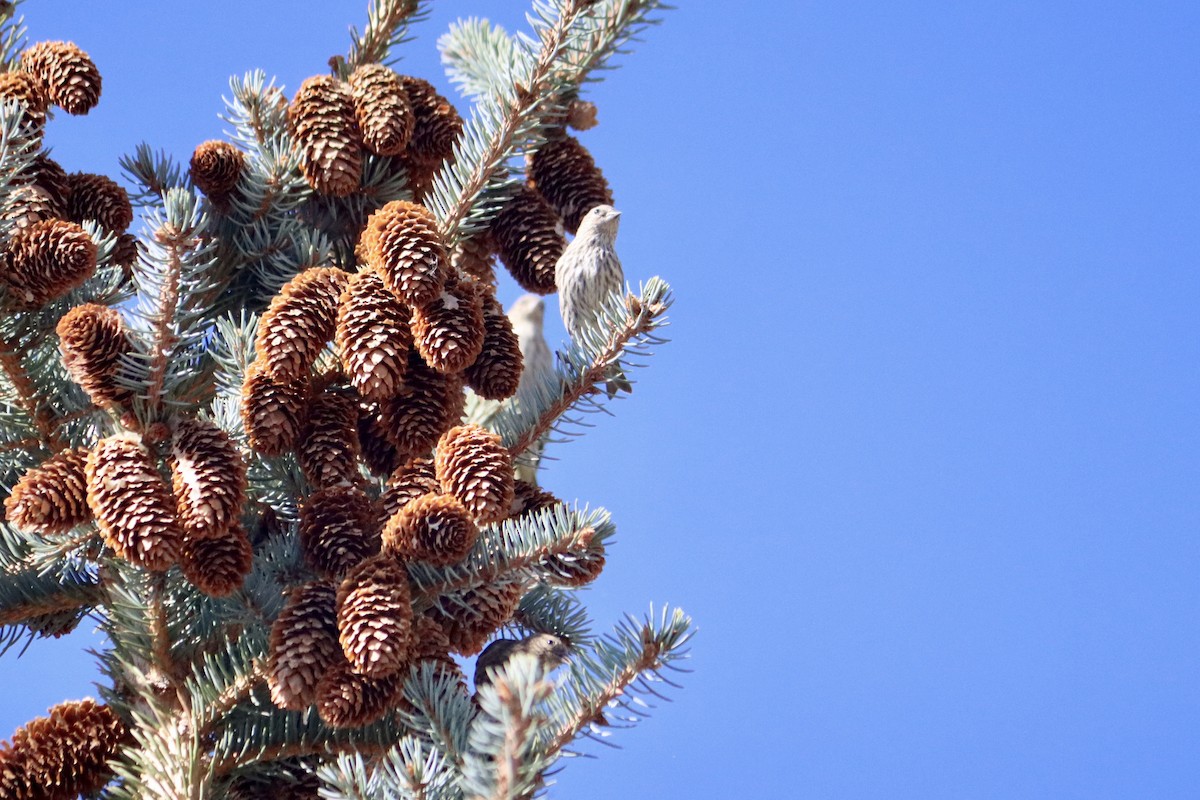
478	55
27	394
12	35
409	770
442	711
30	594
154	172
387	28
548	609
625	325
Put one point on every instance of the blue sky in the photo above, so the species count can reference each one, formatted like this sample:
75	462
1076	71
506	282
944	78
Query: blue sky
922	458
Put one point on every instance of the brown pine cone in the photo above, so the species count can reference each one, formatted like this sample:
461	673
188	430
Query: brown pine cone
346	699
217	565
402	241
428	406
98	197
529	498
304	646
71	79
385	117
375	617
529	239
323	126
48	174
438	124
338	529
327	449
29	90
496	373
299	322
216	167
45	261
209	479
434	528
29	205
373	337
414	479
476	256
563	171
125	253
51	497
378	452
132	504
478	614
476	468
272	410
92	338
63	755
448	331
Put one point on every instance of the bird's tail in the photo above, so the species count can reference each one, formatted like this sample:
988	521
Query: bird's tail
616	381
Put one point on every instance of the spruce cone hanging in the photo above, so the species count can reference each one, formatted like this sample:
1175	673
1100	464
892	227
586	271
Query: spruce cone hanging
496	373
304	645
92	338
481	612
100	198
71	79
30	91
472	465
299	322
375	617
448	331
434	528
209	479
338	529
48	175
430	643
373	337
29	205
529	498
476	256
125	253
272	410
51	497
567	176
46	260
321	118
217	565
438	124
403	242
414	479
529	239
429	405
581	115
328	446
216	167
63	755
385	117
346	699
132	504
378	452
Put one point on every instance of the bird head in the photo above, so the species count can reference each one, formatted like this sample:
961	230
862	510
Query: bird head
549	649
530	307
603	220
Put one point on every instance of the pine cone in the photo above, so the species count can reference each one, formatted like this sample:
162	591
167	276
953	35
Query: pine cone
272	410
92	338
448	331
28	205
209	479
125	253
338	529
99	198
304	645
346	699
430	643
375	617
28	89
414	479
48	174
428	406
438	124
328	446
216	167
478	614
133	506
321	118
299	322
373	337
496	373
529	498
581	115
46	260
402	241
385	117
51	497
378	452
217	565
63	755
529	239
566	175
476	256
71	79
434	528
472	465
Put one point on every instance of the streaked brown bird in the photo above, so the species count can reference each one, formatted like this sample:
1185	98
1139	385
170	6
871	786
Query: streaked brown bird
549	650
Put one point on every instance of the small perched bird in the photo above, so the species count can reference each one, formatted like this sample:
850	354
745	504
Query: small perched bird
586	274
527	315
550	650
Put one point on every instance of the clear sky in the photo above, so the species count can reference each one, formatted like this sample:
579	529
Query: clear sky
922	459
